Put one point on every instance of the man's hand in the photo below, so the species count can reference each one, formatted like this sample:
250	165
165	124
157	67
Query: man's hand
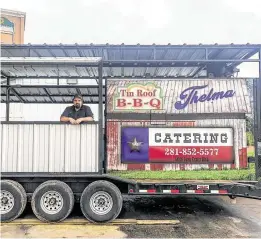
72	121
78	121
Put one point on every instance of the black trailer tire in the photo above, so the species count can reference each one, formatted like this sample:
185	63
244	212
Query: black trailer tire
14	197
232	196
110	201
52	201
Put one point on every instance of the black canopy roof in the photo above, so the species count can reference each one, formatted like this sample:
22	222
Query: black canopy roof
53	94
119	62
136	61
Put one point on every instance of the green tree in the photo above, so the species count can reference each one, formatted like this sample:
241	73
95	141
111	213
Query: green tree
249	124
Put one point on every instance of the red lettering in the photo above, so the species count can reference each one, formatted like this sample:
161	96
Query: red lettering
155	103
121	102
139	93
137	103
122	93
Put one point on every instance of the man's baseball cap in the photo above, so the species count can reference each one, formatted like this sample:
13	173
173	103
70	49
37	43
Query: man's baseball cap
78	96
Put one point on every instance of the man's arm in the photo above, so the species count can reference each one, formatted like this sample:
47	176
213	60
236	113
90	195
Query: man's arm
88	115
87	119
65	117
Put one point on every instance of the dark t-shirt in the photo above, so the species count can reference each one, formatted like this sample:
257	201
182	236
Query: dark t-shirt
84	111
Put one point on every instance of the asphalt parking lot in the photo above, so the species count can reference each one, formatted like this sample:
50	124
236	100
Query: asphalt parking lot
198	217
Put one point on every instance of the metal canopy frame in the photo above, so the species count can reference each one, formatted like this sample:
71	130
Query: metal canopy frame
143	61
43	93
131	62
50	94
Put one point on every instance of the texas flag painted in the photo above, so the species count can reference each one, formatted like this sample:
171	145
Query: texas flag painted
177	145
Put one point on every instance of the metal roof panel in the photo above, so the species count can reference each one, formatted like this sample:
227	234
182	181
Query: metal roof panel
115	55
50	93
122	52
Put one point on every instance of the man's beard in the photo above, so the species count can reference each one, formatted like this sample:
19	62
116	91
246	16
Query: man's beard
77	106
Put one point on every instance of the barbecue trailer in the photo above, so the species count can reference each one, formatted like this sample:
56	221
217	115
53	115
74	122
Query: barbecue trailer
157	110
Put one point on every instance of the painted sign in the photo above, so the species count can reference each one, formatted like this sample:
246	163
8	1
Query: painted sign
177	145
6	25
200	97
138	97
191	95
184	123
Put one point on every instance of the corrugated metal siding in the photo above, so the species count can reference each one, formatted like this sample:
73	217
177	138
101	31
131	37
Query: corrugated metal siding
171	89
113	139
35	112
49	148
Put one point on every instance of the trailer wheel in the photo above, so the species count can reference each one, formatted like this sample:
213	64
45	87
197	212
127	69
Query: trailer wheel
13	200
232	197
101	201
52	201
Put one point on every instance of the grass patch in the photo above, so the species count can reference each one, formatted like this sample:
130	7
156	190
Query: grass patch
204	174
250	138
250	151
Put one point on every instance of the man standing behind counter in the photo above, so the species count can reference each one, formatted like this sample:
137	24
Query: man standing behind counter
77	113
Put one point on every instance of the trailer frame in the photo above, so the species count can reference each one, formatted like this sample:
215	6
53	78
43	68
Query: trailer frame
216	60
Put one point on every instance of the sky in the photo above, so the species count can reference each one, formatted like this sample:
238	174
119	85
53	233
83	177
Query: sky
142	21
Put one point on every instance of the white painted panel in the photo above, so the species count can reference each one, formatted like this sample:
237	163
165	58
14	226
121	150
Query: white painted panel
87	148
41	112
236	141
244	138
181	140
49	148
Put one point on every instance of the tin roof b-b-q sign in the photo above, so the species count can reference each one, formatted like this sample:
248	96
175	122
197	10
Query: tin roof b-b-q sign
185	96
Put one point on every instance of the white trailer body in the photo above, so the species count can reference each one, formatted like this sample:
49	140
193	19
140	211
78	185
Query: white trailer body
49	147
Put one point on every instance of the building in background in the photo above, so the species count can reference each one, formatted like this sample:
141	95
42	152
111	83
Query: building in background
12	26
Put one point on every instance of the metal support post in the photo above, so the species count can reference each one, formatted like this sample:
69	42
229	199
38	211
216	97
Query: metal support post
206	53
101	138
7	114
105	129
257	120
